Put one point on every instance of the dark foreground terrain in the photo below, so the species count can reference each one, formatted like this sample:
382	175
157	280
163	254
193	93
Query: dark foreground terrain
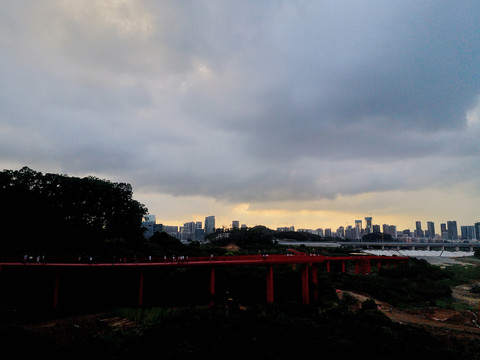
368	319
287	331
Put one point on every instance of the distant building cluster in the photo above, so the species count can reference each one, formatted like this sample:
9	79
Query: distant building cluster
448	231
196	231
190	231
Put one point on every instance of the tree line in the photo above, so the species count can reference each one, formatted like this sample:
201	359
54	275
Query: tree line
58	214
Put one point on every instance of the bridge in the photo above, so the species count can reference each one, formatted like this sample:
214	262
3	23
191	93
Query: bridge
415	245
383	245
309	265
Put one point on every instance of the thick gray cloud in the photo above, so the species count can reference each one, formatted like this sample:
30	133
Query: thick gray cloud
254	101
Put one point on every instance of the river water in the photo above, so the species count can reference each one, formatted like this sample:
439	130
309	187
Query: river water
433	257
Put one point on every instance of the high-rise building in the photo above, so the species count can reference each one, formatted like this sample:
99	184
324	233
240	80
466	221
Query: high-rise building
468	232
385	228
392	230
477	230
358	226
172	230
188	231
368	225
341	232
209	225
199	234
189	226
149	218
431	229
452	230
235	224
418	229
350	232
443	231
148	224
157	228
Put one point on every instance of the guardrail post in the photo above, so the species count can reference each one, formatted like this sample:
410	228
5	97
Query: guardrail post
269	284
305	290
212	287
315	282
55	292
140	290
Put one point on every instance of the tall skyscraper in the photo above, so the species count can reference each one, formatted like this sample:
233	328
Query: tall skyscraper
477	230
418	229
431	229
358	225
452	230
368	224
209	225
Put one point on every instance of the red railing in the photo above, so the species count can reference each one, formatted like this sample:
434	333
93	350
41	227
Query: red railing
307	261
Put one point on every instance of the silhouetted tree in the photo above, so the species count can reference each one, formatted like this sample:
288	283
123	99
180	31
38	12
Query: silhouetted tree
50	212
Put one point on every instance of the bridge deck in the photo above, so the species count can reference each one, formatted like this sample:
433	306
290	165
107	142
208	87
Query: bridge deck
213	261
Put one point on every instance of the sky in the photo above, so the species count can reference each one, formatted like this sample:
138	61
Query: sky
279	113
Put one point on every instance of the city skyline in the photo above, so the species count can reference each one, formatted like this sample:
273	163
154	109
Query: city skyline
450	229
270	112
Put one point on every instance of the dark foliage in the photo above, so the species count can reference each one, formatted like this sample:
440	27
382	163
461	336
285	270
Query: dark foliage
377	236
288	331
415	282
256	238
297	236
58	214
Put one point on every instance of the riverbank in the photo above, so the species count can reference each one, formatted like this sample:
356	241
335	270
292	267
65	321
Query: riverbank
432	257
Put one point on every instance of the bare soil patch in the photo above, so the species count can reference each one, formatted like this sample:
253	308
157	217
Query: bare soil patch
460	323
78	329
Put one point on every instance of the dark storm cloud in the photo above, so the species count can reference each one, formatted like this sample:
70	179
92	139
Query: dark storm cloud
246	101
344	82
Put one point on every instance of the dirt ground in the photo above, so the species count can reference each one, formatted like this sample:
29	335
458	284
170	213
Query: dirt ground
78	329
460	323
